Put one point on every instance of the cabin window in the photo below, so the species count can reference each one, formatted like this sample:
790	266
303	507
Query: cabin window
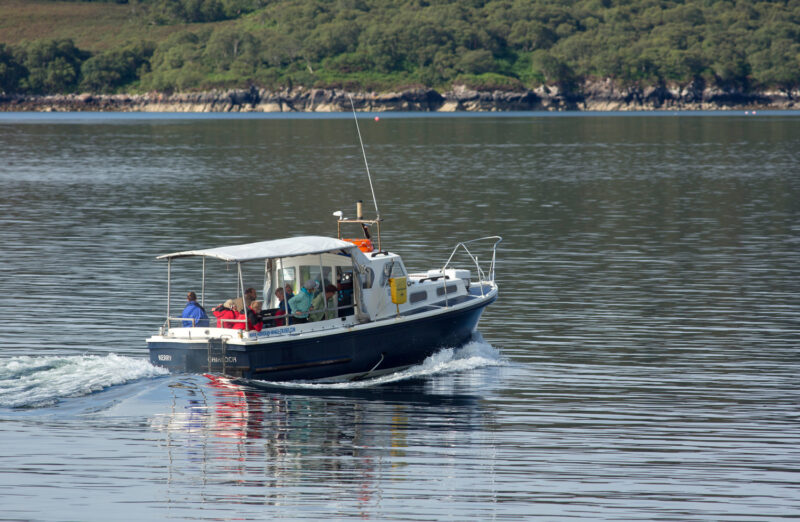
368	278
398	270
416	297
450	289
290	278
312	272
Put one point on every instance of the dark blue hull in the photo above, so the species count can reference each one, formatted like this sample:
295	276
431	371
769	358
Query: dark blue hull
346	354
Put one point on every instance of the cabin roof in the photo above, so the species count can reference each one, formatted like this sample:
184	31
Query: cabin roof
289	247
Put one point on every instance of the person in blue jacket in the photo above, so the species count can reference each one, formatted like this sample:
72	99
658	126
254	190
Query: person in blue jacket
194	311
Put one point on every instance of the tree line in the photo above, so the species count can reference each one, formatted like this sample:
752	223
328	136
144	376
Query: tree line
384	44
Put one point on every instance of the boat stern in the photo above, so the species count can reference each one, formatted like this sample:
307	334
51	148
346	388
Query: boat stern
211	355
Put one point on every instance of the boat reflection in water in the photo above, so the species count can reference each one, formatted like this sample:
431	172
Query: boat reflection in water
223	436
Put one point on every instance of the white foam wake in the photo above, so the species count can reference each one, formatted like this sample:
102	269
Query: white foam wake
475	354
43	381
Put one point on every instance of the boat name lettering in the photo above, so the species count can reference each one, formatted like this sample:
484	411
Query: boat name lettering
228	359
164	357
277	331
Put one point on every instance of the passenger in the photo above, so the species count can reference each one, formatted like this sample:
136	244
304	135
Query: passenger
318	304
249	297
194	311
289	292
240	320
225	313
301	303
254	321
282	306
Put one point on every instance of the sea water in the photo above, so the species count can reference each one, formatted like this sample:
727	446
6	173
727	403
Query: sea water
640	363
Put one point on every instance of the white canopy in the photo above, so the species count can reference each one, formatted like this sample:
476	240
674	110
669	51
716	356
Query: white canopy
290	247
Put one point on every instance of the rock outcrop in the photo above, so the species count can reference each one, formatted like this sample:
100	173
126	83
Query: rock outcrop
603	95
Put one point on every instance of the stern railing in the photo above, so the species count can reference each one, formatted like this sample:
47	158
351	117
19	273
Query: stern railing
221	323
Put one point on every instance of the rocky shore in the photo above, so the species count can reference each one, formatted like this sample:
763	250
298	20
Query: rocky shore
592	96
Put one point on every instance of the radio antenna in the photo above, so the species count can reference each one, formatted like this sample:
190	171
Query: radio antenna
375	201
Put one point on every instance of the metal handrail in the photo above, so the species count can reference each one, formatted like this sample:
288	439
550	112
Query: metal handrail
223	321
192	319
481	276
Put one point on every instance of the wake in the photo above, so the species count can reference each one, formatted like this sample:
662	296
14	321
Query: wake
474	354
42	381
35	382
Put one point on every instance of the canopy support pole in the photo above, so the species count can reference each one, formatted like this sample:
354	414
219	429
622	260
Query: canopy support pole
322	285
169	286
282	282
266	289
241	289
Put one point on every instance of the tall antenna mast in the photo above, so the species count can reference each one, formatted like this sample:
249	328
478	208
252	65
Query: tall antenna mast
363	152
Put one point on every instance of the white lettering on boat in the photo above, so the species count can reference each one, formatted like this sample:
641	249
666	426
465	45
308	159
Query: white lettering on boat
164	357
277	331
228	359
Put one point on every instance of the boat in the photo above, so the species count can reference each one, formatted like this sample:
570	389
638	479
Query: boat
381	319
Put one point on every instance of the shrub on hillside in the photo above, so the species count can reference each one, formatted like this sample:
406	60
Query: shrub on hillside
109	71
488	82
11	71
52	66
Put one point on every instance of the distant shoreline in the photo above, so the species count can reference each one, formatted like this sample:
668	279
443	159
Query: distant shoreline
594	97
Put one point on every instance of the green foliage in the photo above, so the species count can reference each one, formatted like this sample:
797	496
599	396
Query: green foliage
485	44
476	62
11	71
51	66
177	63
778	65
553	69
197	11
228	48
488	82
109	71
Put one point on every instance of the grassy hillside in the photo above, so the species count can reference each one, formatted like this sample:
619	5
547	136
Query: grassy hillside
93	26
137	45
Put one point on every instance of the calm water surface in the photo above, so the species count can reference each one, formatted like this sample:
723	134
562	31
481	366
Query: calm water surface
642	362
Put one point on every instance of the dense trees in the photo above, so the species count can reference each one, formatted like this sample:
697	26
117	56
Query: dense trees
46	66
381	44
196	11
11	71
193	11
116	68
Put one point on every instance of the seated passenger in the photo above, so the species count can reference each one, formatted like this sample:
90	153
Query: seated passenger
249	297
194	311
254	321
301	303
282	306
225	313
318	304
